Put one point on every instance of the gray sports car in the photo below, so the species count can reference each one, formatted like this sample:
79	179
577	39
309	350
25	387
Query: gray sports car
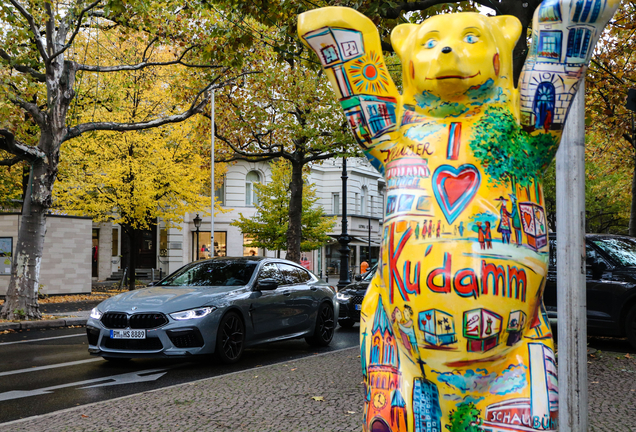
220	305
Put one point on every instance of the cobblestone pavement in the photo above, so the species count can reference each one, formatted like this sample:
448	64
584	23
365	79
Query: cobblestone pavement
269	399
612	392
321	393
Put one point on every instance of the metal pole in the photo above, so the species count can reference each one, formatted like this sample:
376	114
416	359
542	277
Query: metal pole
212	248
197	253
344	238
571	302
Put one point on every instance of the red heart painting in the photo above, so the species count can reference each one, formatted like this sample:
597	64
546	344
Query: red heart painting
454	188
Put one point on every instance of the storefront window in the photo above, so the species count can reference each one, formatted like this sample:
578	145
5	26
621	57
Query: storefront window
163	242
205	247
375	253
249	250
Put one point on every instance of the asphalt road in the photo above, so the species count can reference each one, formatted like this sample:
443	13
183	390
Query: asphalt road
48	370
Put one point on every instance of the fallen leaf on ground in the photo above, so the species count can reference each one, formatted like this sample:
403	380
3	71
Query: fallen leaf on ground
351	412
318	398
627	356
294	369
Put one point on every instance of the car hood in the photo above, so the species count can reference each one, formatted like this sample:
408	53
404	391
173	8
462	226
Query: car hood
166	299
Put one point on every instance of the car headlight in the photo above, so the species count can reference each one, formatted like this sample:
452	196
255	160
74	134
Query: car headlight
192	313
96	314
343	296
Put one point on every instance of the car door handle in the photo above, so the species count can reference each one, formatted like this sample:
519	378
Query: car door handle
313	288
286	293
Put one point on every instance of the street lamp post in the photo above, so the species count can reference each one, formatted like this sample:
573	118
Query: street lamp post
197	225
344	238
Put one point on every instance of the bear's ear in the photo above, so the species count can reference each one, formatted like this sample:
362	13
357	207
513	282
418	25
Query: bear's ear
400	35
510	28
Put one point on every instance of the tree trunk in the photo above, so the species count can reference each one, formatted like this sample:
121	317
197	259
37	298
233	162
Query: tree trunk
22	294
632	214
132	255
294	229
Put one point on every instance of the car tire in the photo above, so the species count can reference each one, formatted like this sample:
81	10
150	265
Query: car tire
230	339
630	326
346	323
116	360
325	326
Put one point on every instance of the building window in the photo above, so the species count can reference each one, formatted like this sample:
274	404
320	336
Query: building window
219	193
356	200
115	243
247	249
363	201
205	245
251	180
371	205
335	203
163	242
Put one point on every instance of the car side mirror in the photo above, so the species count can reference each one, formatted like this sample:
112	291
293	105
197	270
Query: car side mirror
598	268
358	277
267	285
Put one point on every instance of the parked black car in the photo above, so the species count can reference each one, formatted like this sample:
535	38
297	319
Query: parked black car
610	286
350	299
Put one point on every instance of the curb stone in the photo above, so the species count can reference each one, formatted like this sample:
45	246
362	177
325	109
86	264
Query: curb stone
45	324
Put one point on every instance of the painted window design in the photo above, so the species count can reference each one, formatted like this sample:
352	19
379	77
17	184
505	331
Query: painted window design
391	204
549	11
406	202
578	43
550	44
544	102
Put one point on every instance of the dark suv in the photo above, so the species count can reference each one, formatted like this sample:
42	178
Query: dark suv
350	299
611	285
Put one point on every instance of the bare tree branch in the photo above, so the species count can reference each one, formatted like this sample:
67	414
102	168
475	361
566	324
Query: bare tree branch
32	109
36	32
199	102
144	64
22	151
78	26
39	76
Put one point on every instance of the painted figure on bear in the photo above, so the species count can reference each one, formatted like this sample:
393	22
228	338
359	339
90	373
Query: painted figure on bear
454	335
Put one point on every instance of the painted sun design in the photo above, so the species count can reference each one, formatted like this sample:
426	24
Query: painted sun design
368	73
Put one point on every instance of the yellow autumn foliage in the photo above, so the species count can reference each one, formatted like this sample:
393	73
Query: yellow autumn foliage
132	178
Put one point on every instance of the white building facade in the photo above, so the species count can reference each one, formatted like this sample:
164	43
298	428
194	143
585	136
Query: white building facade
177	246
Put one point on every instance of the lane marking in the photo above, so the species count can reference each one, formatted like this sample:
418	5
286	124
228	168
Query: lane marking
41	339
126	378
53	366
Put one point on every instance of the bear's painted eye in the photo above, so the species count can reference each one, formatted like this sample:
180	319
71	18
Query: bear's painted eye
471	38
430	43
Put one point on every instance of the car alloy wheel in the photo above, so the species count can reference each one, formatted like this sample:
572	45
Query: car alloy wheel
325	325
230	339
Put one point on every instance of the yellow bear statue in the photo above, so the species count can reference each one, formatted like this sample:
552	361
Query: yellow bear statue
454	335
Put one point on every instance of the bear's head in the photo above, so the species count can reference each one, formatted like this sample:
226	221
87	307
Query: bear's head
448	54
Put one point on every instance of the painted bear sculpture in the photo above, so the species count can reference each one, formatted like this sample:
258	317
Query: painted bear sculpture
454	334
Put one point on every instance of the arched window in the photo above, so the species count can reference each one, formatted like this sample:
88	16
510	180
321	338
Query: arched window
251	179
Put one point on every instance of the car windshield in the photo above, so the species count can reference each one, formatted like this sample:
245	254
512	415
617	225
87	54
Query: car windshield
621	250
213	273
370	273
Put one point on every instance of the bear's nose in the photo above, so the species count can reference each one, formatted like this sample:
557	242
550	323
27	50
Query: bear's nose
446	50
